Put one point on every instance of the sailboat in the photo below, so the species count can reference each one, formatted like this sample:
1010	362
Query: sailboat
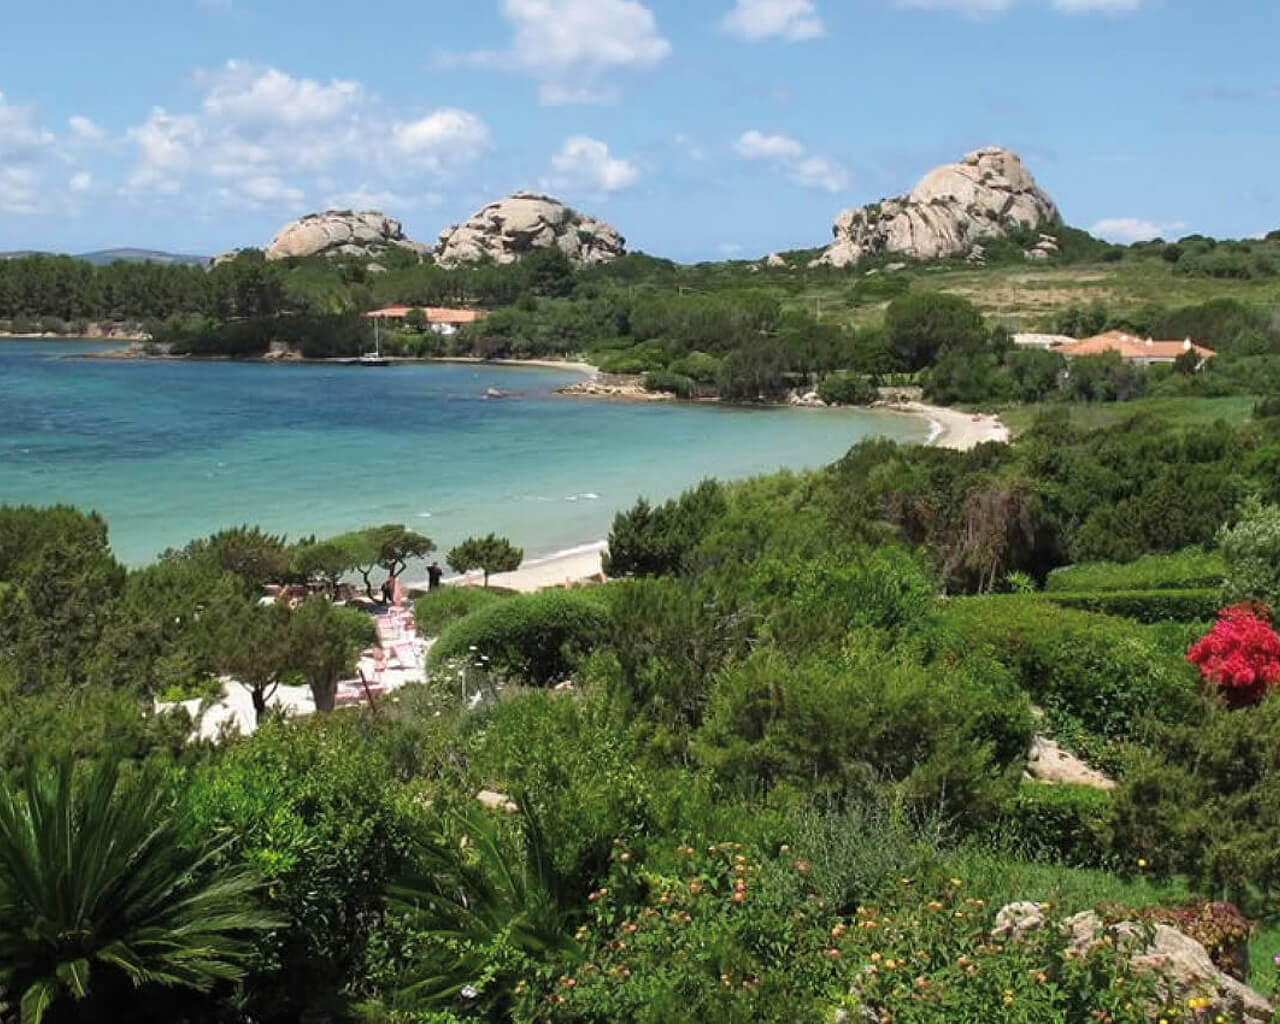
374	358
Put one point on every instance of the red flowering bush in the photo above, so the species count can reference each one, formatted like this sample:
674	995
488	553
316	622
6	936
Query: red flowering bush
1241	654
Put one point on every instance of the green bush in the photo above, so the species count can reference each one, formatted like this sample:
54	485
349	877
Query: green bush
847	389
1202	799
1252	551
1068	825
1189	569
669	383
532	638
1089	671
1146	606
312	808
952	742
439	609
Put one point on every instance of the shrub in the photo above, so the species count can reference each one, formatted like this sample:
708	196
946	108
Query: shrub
533	638
1252	551
847	389
1202	799
1240	655
1267	408
950	742
729	935
1189	569
669	383
1067	825
1146	606
1088	671
440	608
310	807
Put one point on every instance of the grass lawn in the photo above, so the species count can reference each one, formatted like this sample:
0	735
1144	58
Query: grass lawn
1186	412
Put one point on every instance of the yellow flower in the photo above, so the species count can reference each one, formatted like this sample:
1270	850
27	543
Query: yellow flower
1142	862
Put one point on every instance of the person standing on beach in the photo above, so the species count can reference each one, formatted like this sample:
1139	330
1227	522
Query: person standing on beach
434	575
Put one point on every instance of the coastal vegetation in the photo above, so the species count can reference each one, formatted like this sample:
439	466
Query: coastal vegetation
775	770
740	331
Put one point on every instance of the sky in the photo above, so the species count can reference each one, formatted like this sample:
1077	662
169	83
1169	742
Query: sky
702	129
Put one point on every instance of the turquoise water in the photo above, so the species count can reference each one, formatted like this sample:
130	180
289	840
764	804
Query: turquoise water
171	450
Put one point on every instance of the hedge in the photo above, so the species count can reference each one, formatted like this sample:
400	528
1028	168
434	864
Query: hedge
1146	606
1189	569
1088	670
533	638
441	608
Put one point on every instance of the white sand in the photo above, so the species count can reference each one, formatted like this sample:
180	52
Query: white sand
953	429
554	570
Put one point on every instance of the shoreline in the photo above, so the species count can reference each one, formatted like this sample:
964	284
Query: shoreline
951	429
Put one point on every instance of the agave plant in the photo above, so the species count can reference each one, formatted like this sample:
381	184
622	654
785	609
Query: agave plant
470	897
100	897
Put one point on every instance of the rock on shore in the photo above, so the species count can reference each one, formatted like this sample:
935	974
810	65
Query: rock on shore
947	214
341	233
508	229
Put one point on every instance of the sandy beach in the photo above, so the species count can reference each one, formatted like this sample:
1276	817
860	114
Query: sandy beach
953	429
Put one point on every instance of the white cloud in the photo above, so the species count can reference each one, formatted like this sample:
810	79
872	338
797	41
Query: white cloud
793	158
20	191
84	130
691	148
755	145
166	150
246	94
792	20
365	198
572	47
268	189
21	138
81	182
981	8
256	131
586	163
446	138
1133	229
729	248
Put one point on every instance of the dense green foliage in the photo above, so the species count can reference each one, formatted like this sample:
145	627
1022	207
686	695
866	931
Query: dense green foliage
534	637
104	902
790	748
490	554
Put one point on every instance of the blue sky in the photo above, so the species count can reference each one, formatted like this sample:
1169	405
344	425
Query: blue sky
700	128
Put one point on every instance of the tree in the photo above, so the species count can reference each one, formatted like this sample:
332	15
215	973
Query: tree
493	554
103	905
326	642
549	273
254	646
323	564
255	556
388	547
921	324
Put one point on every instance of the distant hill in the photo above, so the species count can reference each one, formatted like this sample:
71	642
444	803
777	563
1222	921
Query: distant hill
104	257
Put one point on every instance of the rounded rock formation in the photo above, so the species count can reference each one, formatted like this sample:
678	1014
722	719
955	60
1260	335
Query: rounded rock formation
950	209
341	233
508	229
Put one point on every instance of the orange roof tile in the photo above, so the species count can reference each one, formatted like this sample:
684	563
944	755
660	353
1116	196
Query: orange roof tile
1133	348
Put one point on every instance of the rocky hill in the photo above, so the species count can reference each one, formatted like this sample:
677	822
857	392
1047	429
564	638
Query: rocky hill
341	233
948	214
506	230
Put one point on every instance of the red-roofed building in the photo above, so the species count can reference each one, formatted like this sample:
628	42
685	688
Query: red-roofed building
439	320
1141	351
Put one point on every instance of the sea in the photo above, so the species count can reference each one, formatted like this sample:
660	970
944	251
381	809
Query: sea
168	450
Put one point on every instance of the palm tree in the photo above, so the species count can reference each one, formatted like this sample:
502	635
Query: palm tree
101	901
469	896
